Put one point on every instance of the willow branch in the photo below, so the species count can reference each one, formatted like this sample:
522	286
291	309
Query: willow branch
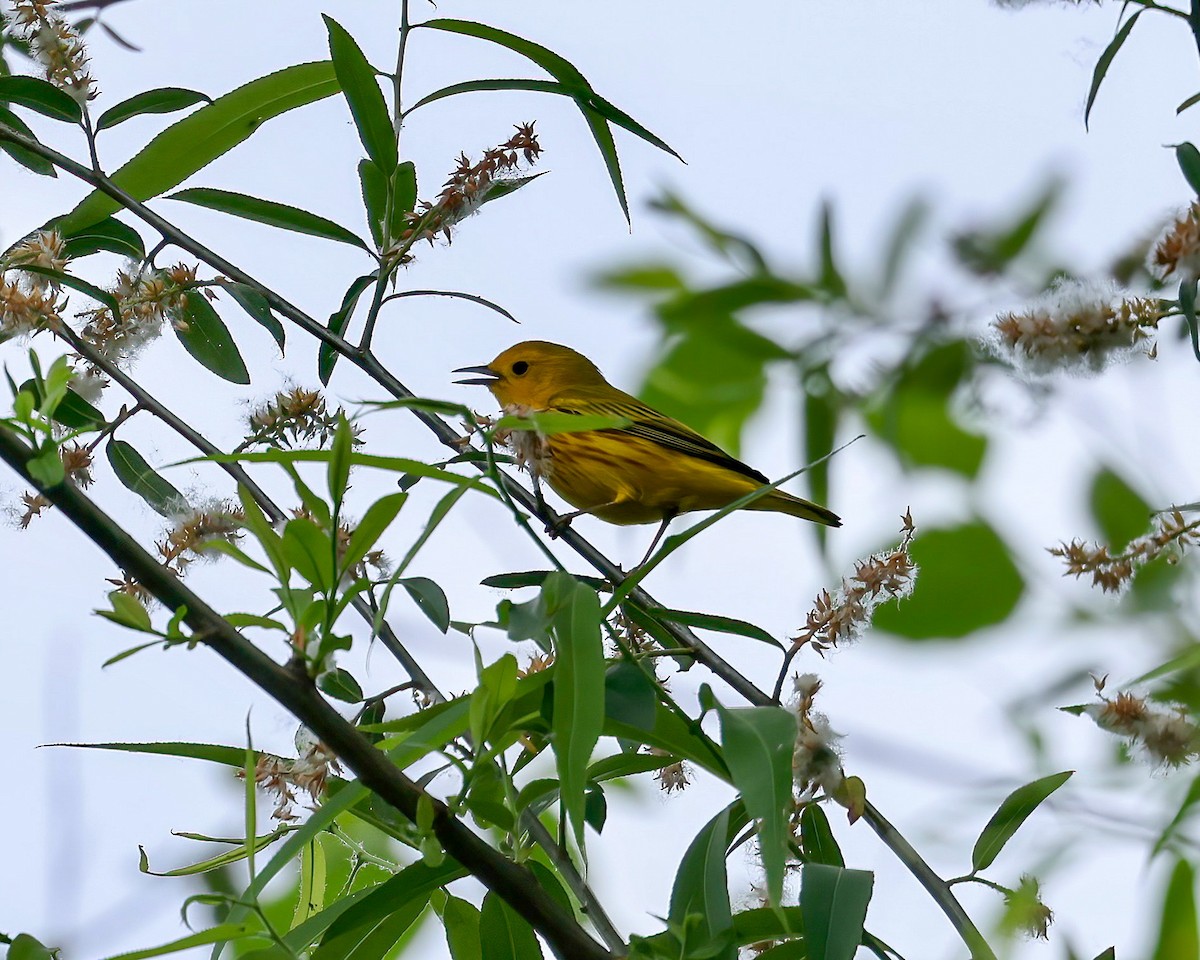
294	690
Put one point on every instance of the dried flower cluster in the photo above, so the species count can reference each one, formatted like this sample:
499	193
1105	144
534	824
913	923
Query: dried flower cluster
56	46
77	469
146	300
1110	572
131	587
292	417
1169	738
467	188
674	777
34	504
284	777
1075	326
194	530
817	760
1178	251
882	577
29	302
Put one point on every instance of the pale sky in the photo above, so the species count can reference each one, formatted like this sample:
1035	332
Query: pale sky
775	106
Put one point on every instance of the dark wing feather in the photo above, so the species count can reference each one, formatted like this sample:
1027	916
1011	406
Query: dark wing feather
649	424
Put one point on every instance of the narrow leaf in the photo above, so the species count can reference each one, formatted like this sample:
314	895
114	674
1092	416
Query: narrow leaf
371	527
198	139
701	888
1012	812
504	934
269	212
159	100
135	473
1178	933
327	357
41	96
362	93
712	621
1105	61
430	598
25	157
109	234
208	340
255	304
834	902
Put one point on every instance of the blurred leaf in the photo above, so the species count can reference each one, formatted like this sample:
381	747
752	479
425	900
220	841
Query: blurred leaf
758	745
159	100
109	234
1012	812
327	357
834	903
25	947
1119	512
829	278
341	685
820	428
255	304
361	89
1187	306
1186	808
816	837
1105	61
269	212
42	96
914	415
195	141
135	473
701	889
989	252
1188	158
503	933
208	340
579	683
430	598
219	934
1177	931
967	581
25	157
551	422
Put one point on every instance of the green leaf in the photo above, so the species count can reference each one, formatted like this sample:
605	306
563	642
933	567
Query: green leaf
308	549
269	212
338	472
504	934
758	745
431	600
108	234
255	304
135	473
461	921
834	903
1120	513
1186	808
1012	812
374	195
198	139
223	933
712	621
208	340
370	528
587	98
629	695
701	889
25	157
404	196
127	612
361	89
210	752
327	357
967	581
820	428
535	578
341	685
71	411
1189	102
1187	306
1178	936
1105	61
574	611
41	96
158	100
371	927
914	416
816	837
75	283
234	855
1188	158
25	947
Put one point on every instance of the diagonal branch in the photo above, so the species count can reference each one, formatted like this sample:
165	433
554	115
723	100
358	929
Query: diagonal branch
295	691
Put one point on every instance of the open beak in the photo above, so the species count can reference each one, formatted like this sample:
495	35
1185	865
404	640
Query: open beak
489	376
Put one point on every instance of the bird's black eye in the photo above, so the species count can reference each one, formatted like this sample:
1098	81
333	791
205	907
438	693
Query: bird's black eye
520	367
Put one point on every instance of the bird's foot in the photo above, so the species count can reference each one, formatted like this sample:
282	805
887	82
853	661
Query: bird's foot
556	527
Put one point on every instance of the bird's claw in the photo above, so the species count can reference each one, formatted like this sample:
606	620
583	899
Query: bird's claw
555	527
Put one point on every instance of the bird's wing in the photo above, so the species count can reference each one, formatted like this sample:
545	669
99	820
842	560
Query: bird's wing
648	424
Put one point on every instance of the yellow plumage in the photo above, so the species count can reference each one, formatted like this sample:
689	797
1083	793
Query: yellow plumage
650	470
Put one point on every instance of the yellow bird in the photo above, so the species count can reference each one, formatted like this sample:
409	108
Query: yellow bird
651	470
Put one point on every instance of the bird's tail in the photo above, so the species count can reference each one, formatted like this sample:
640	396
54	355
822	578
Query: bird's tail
782	502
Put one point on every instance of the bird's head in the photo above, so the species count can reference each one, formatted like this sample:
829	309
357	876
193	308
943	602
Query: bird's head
532	373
